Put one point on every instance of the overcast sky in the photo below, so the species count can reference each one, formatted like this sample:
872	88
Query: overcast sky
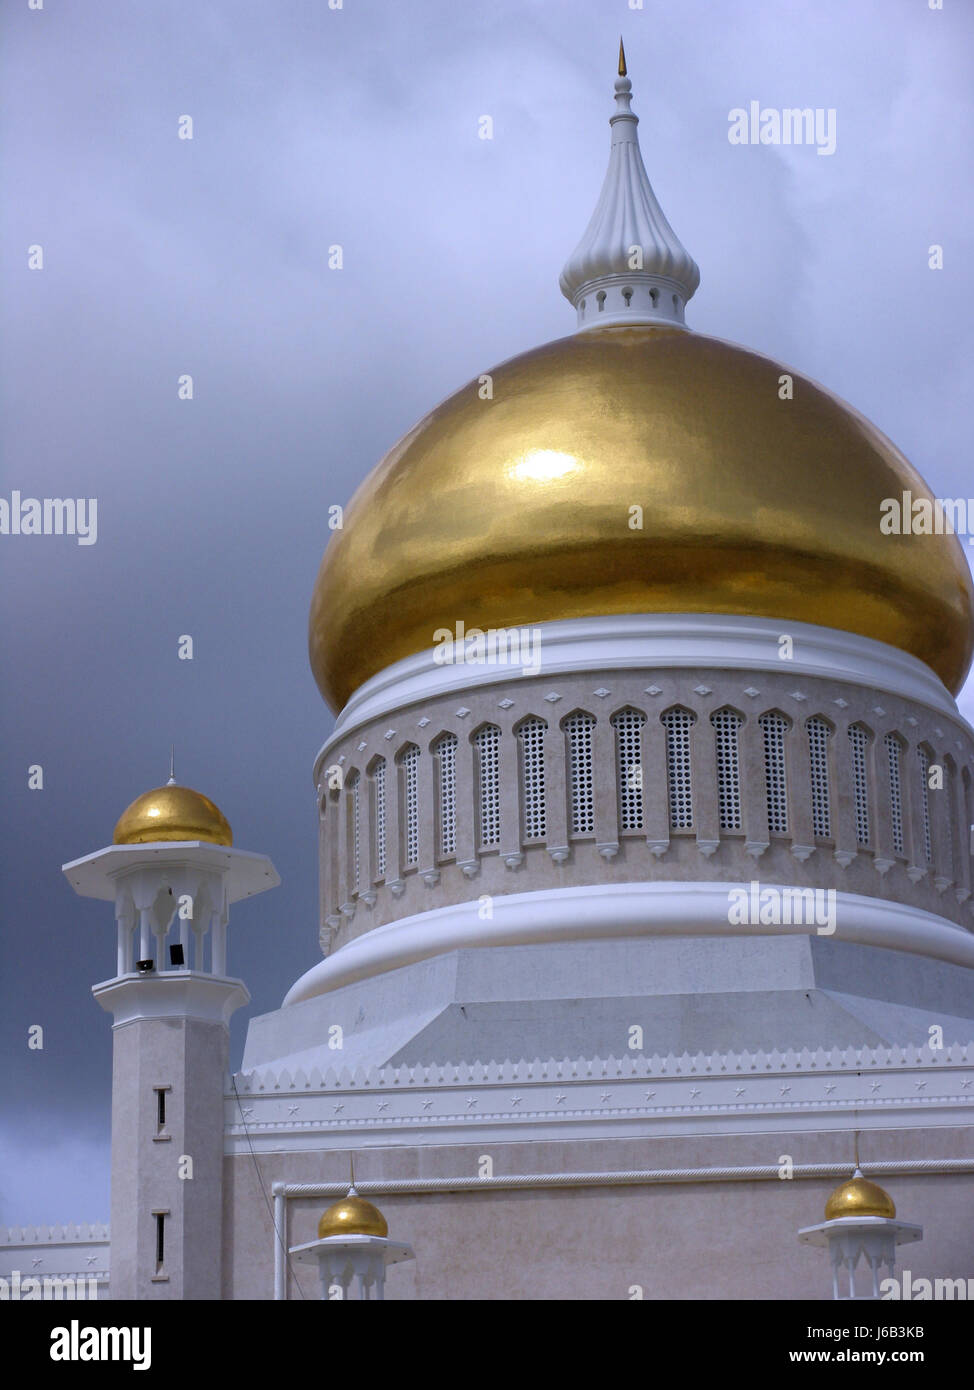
208	256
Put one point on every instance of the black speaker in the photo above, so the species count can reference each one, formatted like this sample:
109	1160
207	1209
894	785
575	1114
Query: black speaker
144	966
176	956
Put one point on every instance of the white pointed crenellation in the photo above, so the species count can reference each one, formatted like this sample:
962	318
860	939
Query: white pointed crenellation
630	267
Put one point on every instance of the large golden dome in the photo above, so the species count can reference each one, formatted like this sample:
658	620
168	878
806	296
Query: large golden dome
517	509
172	813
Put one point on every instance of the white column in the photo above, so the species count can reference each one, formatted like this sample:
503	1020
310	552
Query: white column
218	944
145	933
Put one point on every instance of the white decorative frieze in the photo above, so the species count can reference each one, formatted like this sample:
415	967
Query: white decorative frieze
723	1092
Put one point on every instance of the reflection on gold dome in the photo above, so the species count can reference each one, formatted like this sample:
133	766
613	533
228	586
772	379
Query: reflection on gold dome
519	510
859	1197
543	466
172	813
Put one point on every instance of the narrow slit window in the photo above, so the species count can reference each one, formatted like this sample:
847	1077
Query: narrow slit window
678	723
923	757
819	733
773	727
727	724
628	724
445	752
379	816
353	791
895	791
534	816
578	732
410	777
858	741
487	746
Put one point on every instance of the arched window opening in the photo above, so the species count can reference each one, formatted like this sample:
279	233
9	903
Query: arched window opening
487	743
893	754
445	753
628	725
727	724
819	733
858	742
353	785
581	786
923	758
773	728
678	723
379	816
530	736
409	763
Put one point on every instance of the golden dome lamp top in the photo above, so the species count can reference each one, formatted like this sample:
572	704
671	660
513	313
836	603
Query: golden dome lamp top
859	1197
172	814
352	1215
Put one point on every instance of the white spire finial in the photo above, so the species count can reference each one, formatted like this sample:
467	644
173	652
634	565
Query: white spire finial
630	266
172	766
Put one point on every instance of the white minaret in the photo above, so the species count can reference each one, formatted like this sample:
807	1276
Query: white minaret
172	874
630	266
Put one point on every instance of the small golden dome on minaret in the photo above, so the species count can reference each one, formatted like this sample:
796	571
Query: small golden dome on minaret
172	813
352	1215
859	1197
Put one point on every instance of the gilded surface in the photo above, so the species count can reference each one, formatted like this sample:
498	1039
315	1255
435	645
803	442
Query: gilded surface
518	510
859	1197
352	1216
172	813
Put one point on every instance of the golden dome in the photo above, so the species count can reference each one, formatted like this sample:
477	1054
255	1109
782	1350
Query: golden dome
859	1197
516	510
172	813
352	1216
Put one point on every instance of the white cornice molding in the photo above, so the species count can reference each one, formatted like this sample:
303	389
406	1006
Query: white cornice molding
171	994
598	912
635	1065
98	875
638	1095
657	641
94	1233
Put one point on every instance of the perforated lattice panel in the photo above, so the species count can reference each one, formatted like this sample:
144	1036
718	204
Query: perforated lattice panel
949	804
410	776
487	744
858	740
628	724
819	734
446	757
355	835
726	726
895	791
923	759
379	804
773	729
581	787
531	738
678	723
